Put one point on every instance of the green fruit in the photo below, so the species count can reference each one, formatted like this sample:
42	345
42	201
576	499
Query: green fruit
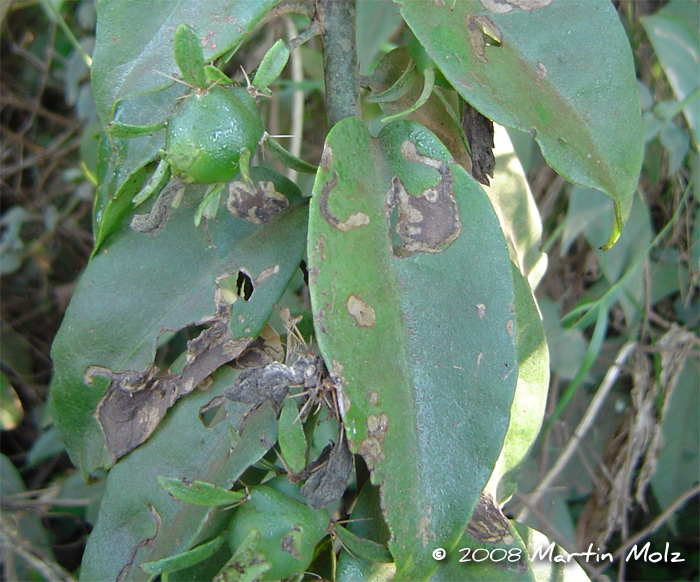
289	530
207	131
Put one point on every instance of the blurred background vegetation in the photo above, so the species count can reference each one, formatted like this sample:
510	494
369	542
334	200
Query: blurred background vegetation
634	470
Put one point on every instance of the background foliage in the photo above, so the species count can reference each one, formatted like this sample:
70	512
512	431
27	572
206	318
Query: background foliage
644	290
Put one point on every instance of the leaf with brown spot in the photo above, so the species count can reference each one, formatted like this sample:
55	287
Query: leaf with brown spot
149	284
409	386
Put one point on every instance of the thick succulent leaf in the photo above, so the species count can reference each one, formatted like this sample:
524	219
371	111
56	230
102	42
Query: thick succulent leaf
150	284
141	522
419	330
516	209
573	60
527	410
673	31
134	44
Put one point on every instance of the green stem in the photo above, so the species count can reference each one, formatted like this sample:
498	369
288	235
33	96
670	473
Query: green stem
337	21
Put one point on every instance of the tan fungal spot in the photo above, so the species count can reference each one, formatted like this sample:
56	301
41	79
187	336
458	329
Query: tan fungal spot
424	527
256	204
371	451
476	38
326	157
478	363
541	71
430	221
266	274
481	310
373	398
509	327
439	3
362	313
503	6
356	220
371	447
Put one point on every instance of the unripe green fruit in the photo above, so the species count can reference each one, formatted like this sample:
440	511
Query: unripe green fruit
206	133
289	530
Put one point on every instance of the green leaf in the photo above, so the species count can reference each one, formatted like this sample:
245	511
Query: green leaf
549	568
530	400
475	561
272	65
361	547
432	115
517	212
292	437
375	23
134	44
185	559
366	522
121	172
216	75
428	84
26	524
189	57
155	184
200	492
574	62
673	32
677	143
586	207
209	206
164	282
149	523
567	347
128	131
399	88
246	564
540	560
677	466
427	370
11	411
287	158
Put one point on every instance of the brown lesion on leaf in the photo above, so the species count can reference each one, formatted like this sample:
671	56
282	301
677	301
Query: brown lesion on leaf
136	401
155	221
361	312
329	474
291	542
424	528
356	220
488	524
429	222
483	32
256	203
326	157
371	448
504	6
